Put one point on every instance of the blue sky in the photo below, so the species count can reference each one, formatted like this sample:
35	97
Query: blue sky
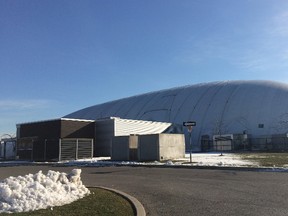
59	56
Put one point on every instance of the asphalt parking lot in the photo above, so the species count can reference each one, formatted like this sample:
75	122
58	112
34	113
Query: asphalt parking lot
182	191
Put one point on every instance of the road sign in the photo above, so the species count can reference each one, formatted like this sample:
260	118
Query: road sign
189	128
189	123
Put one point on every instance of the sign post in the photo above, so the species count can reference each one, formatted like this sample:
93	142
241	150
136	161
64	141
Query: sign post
189	126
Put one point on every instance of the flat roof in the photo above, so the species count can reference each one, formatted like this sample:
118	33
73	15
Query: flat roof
57	119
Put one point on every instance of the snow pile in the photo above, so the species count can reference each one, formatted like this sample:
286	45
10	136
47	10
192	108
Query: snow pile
39	191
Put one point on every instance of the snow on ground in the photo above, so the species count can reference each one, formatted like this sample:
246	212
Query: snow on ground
198	159
216	159
39	191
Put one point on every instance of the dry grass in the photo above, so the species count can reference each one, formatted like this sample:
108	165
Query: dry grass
267	159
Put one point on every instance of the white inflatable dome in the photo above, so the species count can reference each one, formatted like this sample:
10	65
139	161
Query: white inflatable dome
258	108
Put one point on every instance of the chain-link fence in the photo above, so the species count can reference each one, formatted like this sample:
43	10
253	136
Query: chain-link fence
267	144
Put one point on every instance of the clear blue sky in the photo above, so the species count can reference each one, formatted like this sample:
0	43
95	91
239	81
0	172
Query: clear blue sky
59	56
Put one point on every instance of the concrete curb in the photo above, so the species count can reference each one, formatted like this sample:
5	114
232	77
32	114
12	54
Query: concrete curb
242	168
254	169
138	207
239	168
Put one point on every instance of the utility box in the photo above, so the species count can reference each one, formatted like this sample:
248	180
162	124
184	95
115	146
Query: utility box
158	147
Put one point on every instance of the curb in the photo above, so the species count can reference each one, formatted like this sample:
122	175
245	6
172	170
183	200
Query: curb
239	168
253	169
138	207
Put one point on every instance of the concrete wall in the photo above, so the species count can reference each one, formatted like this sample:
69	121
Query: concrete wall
161	147
171	146
105	131
148	147
124	148
120	148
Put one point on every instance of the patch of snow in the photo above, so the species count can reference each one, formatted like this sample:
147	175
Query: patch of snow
169	162
198	159
39	191
216	159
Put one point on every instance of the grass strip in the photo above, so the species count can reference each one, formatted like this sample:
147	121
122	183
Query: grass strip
99	202
267	159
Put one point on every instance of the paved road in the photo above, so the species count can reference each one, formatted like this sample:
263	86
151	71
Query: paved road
180	191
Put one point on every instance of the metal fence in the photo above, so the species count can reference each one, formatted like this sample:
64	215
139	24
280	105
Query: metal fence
267	144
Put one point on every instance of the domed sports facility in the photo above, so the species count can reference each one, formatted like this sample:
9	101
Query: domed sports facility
253	112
